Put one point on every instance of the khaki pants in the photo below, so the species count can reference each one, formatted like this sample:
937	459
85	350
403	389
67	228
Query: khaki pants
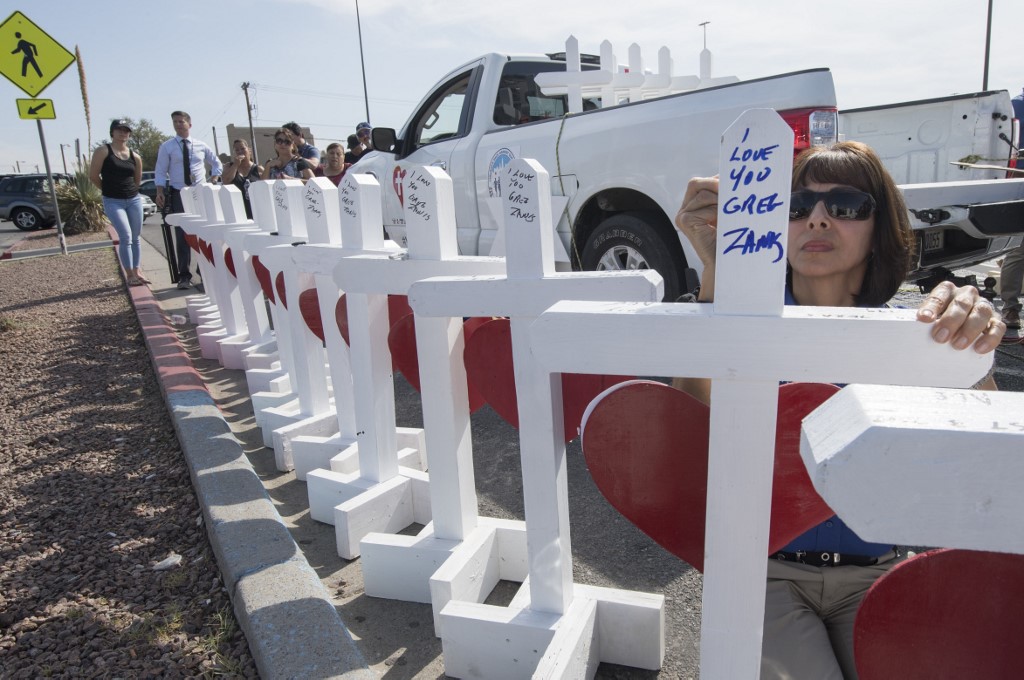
808	619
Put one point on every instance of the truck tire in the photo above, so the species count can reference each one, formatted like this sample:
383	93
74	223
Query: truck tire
631	240
27	219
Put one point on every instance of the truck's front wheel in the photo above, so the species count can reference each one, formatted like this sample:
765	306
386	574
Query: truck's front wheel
636	240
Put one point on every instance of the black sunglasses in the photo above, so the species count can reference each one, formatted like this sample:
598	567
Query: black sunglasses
279	140
842	204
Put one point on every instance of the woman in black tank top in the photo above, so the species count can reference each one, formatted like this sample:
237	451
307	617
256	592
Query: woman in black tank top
117	171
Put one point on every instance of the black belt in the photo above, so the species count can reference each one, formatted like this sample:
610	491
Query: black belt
826	559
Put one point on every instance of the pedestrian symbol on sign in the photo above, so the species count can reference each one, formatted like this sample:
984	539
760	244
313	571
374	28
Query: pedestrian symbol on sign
29	57
30	53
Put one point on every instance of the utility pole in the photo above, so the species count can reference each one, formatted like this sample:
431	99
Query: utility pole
704	25
362	63
78	153
216	149
252	132
988	43
62	158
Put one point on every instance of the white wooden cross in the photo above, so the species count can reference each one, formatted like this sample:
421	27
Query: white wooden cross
514	642
367	280
746	343
323	445
956	482
302	359
606	81
233	339
264	372
237	341
196	214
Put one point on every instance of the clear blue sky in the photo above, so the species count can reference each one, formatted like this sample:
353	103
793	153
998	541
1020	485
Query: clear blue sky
303	55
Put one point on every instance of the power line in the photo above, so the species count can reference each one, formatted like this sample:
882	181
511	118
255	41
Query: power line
280	89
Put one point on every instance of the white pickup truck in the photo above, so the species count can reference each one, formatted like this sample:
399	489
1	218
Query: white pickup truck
619	172
956	141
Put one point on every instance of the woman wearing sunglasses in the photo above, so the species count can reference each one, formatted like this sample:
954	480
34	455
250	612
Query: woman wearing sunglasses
850	245
288	164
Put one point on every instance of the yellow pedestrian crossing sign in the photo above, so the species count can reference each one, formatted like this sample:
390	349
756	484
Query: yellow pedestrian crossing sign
29	57
36	109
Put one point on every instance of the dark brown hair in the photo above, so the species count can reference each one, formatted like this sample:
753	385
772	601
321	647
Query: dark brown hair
291	138
892	244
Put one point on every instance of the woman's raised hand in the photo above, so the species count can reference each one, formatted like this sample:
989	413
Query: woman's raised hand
698	217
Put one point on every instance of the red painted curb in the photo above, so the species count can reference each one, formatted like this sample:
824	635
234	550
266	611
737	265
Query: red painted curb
9	252
172	364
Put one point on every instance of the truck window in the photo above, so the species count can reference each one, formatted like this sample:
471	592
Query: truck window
442	118
521	101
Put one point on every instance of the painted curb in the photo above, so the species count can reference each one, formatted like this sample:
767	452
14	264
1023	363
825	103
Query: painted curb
291	626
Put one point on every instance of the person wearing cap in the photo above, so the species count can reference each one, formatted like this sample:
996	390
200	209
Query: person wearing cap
116	171
364	131
355	150
307	151
170	171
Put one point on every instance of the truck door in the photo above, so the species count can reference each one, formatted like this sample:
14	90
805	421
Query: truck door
430	138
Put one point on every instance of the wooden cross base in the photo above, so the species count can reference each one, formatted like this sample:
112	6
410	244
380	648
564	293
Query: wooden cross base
357	506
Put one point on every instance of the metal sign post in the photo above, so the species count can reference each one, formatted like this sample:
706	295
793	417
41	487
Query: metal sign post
53	191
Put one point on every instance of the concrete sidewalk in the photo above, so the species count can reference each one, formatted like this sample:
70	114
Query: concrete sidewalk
292	626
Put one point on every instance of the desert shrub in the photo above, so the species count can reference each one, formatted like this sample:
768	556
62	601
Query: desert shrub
81	205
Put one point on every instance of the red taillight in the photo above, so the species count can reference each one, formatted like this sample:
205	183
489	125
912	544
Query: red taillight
812	127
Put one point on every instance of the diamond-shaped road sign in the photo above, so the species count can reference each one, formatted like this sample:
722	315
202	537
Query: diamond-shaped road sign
29	57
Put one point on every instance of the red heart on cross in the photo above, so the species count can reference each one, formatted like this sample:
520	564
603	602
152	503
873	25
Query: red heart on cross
281	292
309	307
396	182
398	306
402	341
193	241
206	248
488	358
943	614
263	276
646	445
229	262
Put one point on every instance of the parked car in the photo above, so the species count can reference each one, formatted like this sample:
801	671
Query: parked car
148	188
25	200
148	206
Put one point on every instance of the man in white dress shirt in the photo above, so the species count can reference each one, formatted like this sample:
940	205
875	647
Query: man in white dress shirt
181	162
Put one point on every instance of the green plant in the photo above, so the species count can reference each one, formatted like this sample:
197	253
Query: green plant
81	205
7	324
222	629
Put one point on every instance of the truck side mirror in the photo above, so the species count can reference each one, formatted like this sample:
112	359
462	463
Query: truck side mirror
384	139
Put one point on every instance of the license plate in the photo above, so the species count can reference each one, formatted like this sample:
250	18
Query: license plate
933	240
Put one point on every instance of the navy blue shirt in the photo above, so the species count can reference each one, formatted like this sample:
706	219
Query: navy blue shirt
833	535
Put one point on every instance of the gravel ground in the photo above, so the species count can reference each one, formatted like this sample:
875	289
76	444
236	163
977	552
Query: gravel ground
96	491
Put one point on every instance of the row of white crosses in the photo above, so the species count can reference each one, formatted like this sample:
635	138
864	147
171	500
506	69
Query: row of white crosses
459	557
746	343
609	82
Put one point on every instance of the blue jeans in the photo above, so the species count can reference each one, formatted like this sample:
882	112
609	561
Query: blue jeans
126	216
